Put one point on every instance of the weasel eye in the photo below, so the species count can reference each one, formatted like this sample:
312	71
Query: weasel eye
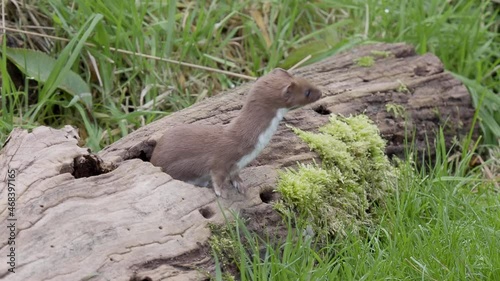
308	93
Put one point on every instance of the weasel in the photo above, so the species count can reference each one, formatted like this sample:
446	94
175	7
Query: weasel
200	154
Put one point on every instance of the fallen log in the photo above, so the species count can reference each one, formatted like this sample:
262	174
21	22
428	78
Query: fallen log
114	216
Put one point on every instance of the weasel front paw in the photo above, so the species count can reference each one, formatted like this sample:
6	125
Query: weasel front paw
237	183
217	191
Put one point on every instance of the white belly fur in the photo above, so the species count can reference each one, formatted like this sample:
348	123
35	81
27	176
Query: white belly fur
263	139
203	181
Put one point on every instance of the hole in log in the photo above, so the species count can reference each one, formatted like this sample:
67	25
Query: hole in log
421	70
143	156
135	278
89	165
206	212
142	150
321	109
268	195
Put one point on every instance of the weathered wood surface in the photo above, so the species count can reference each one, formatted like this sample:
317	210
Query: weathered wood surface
126	220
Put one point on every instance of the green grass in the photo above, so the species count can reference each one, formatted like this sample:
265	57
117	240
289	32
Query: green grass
442	223
244	37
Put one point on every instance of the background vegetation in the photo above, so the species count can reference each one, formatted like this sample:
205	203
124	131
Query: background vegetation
443	221
245	37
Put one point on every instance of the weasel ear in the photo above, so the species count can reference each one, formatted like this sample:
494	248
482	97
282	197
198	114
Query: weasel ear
287	92
282	71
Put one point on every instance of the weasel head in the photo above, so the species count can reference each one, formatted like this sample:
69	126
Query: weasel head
284	90
300	92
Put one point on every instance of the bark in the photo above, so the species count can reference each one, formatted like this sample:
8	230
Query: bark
114	216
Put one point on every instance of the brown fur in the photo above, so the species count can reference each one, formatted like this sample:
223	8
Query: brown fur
211	152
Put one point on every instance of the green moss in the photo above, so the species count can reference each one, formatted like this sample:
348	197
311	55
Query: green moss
403	88
354	176
224	247
365	61
382	54
396	110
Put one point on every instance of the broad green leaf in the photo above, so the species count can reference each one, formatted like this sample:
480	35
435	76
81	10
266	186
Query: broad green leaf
318	49
38	66
62	66
312	48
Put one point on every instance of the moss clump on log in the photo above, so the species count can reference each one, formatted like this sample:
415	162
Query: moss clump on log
354	176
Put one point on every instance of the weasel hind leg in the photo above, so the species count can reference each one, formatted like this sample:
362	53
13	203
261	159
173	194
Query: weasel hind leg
219	182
